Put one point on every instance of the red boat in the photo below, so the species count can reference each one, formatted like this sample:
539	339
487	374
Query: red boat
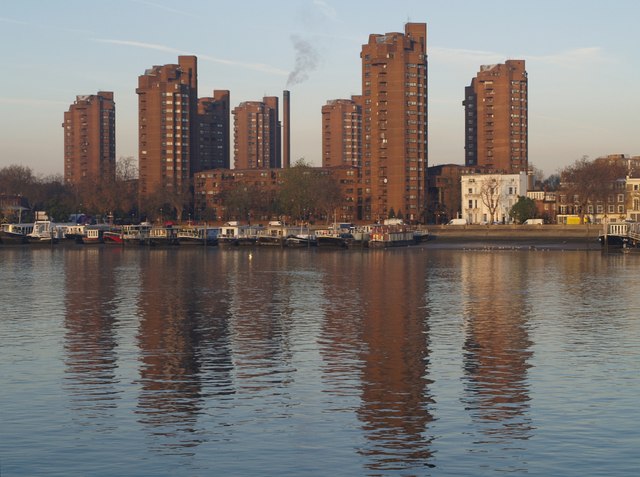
109	237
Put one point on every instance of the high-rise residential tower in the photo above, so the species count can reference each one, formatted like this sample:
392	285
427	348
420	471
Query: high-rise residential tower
342	132
168	133
213	121
90	139
496	118
394	122
257	129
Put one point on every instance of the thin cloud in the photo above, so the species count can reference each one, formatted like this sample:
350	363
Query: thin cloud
139	44
326	9
574	57
11	20
30	101
167	49
464	56
43	27
165	8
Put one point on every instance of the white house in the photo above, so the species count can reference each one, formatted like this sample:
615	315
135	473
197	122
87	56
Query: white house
633	198
489	197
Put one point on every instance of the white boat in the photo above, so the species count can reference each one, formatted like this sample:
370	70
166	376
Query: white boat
234	234
44	230
15	233
71	232
272	235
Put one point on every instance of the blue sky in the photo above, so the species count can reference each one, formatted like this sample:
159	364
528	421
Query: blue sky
582	57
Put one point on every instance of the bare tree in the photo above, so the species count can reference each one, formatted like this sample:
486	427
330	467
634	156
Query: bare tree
589	182
490	195
238	200
16	180
327	193
296	196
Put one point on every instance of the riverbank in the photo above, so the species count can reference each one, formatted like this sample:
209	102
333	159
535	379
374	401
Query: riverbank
566	237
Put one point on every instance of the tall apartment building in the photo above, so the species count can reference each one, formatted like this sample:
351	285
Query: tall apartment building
213	121
168	133
256	130
342	132
394	122
496	135
90	139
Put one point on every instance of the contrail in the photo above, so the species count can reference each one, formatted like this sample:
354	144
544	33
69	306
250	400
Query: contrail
305	62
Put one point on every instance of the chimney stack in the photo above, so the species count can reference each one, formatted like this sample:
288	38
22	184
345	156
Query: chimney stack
286	128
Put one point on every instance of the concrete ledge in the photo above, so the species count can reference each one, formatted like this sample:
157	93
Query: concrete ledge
587	235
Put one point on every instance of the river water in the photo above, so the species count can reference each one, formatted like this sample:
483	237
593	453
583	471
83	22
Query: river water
270	362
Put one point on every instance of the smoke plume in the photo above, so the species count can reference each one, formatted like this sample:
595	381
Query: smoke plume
305	62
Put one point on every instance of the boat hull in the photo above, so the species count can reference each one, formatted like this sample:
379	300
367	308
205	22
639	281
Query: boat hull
10	238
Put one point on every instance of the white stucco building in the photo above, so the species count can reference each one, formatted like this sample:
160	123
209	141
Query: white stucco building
484	194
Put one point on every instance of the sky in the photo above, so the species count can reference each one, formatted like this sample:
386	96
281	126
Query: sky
582	59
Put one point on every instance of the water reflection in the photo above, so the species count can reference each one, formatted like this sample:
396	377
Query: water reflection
391	334
90	341
497	346
261	310
170	338
310	362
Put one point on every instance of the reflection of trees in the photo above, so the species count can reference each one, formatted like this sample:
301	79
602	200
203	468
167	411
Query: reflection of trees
497	345
391	338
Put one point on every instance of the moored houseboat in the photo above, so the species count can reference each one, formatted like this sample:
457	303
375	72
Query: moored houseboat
44	230
92	236
272	235
15	234
71	232
161	236
198	235
113	237
234	234
336	236
301	240
383	236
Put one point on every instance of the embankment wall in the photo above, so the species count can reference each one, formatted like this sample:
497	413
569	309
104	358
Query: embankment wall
587	233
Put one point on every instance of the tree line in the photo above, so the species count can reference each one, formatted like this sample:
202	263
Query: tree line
304	193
